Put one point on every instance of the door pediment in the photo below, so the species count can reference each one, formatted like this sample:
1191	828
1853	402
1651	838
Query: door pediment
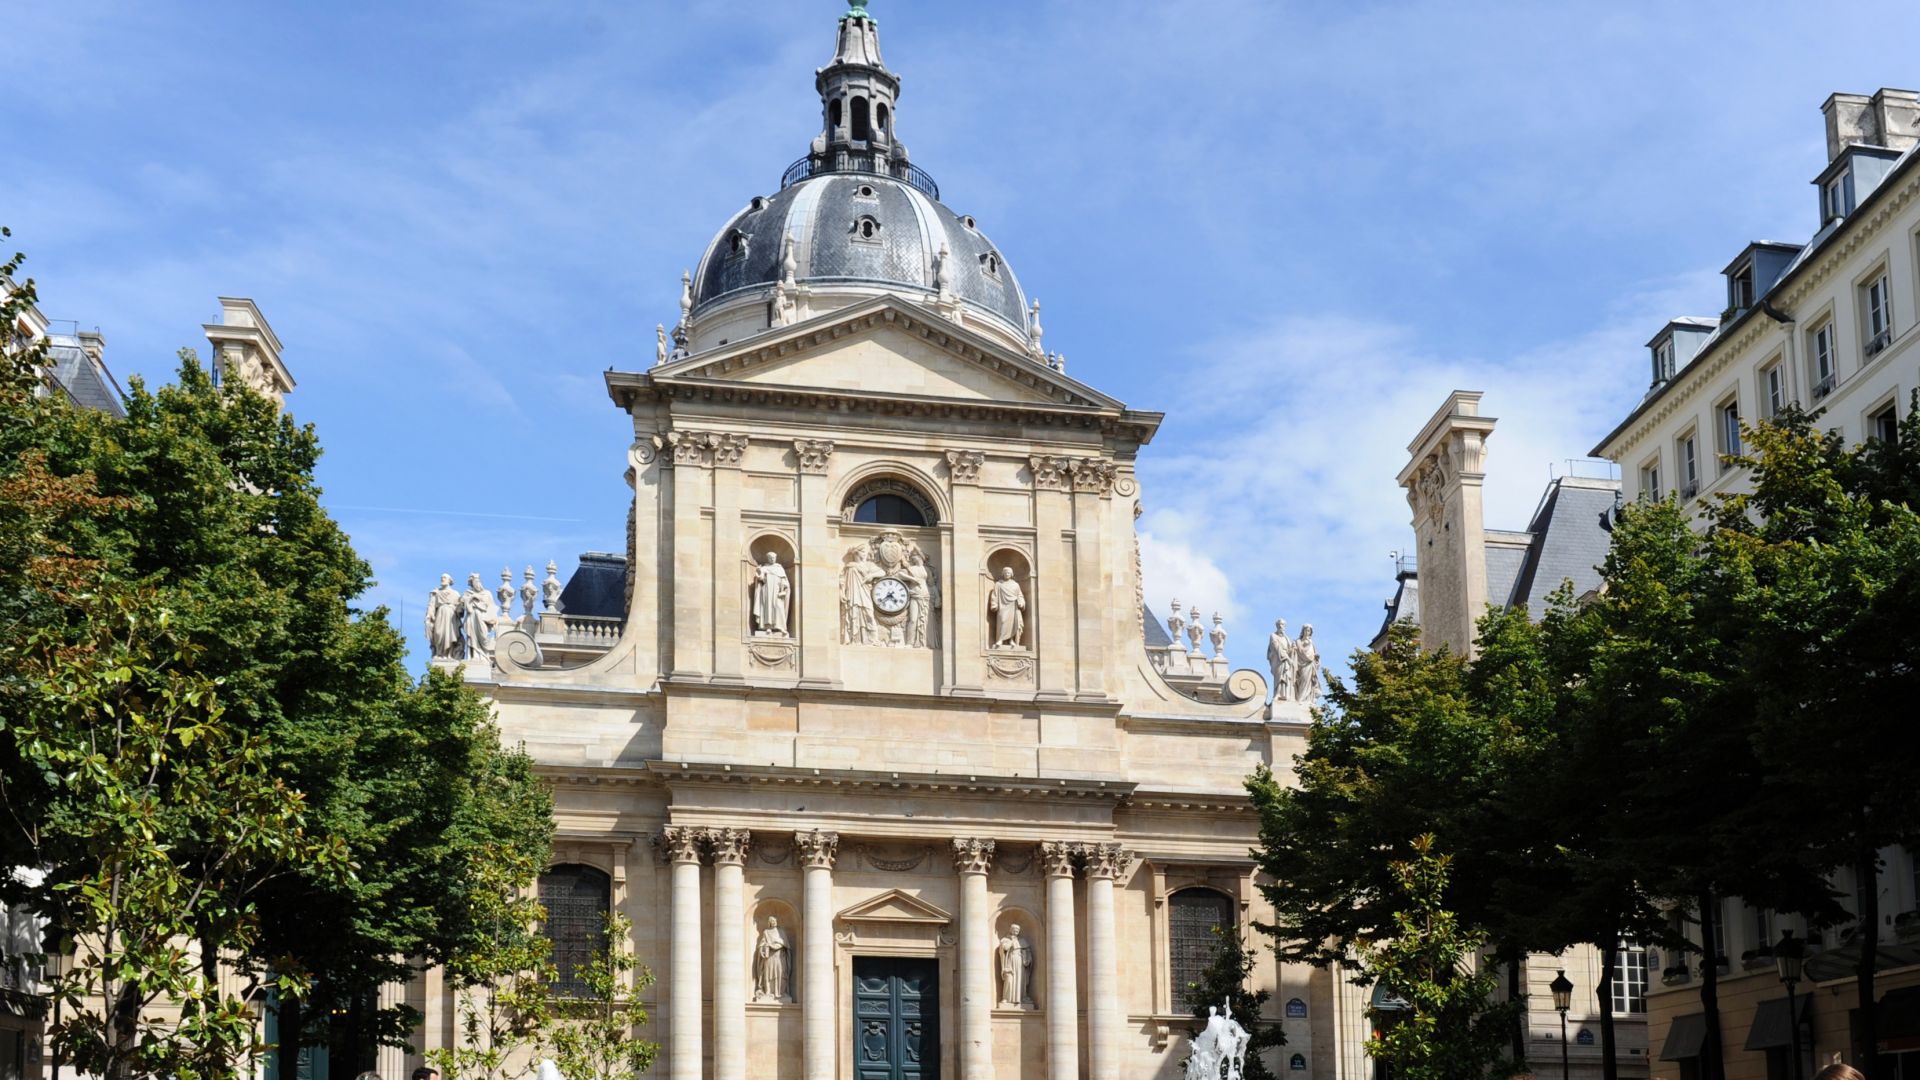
895	906
887	346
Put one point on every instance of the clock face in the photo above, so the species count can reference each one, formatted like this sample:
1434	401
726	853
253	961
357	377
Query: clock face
890	595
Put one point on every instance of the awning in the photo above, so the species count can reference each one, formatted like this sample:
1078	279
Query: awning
1770	1028
1828	965
1685	1038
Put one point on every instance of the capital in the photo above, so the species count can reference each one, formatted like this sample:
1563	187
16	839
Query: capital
729	846
817	849
1057	857
680	844
964	465
972	854
1108	861
812	454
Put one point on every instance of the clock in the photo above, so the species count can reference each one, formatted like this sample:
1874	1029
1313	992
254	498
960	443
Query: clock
890	595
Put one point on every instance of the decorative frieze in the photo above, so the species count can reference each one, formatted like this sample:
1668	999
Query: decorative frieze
964	465
729	846
817	849
972	854
813	454
679	844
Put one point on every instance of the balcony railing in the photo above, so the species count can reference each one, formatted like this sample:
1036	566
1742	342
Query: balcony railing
1879	342
872	162
1825	386
593	630
1689	491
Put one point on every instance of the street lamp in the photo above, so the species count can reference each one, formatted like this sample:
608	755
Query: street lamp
1562	988
1789	957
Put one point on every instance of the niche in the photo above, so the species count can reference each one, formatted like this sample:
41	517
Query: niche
771	587
1016	960
1009	601
773	946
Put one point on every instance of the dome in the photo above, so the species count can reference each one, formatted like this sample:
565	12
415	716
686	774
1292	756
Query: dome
855	229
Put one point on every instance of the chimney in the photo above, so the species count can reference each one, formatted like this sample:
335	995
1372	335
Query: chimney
1889	118
94	344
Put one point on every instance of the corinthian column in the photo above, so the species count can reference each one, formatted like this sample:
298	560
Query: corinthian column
729	953
1063	995
682	848
972	857
817	997
1105	862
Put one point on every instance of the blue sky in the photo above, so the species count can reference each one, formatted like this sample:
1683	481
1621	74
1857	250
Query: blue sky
1294	227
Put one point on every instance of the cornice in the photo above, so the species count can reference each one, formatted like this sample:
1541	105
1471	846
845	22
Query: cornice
685	773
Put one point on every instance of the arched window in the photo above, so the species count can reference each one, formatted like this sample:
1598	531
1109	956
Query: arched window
862	121
834	114
1192	915
577	899
889	510
880	119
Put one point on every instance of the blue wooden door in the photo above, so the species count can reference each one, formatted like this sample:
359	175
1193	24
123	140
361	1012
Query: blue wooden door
896	1018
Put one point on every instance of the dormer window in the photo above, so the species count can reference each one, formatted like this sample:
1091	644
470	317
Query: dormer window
758	204
1740	290
866	191
968	222
990	265
737	244
1836	198
867	229
1663	361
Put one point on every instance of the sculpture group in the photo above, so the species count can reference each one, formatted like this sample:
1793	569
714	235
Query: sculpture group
1295	664
1220	1050
462	625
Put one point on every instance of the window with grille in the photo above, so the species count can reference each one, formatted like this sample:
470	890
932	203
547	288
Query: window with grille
1192	915
1630	979
576	899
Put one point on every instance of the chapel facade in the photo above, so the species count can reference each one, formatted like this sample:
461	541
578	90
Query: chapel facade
867	730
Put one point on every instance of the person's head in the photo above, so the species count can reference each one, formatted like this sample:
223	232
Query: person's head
1006	573
1279	626
1838	1071
771	558
1307	631
426	1073
446	580
1015	929
368	1075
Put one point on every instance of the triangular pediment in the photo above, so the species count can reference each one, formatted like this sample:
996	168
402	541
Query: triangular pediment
887	346
895	907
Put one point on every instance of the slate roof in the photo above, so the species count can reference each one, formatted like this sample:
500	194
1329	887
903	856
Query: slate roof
598	588
87	383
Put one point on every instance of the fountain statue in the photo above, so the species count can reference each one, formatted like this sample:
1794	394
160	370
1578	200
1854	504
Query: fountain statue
1220	1050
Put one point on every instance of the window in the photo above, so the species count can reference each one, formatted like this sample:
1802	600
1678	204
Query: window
1884	425
1663	361
1762	930
1192	915
1740	289
1729	413
1650	481
990	263
737	243
1689	465
889	510
862	120
880	119
1719	956
1630	979
867	228
1837	198
577	899
1825	375
1773	385
1879	310
834	114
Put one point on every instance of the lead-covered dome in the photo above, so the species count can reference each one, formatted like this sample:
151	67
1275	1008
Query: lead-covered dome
856	229
853	219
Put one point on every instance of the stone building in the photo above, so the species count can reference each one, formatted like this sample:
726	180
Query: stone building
1458	570
865	730
1829	324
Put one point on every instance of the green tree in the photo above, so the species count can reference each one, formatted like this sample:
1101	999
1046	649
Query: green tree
1450	1029
502	975
593	1033
1224	982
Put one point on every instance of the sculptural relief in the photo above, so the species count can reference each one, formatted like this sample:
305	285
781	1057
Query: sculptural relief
772	965
889	591
1007	611
443	621
771	596
1015	954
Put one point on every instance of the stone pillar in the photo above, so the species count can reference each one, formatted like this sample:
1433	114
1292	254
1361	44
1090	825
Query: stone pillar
692	457
1063	996
972	857
682	846
1105	862
965	669
816	568
729	599
1050	617
1092	489
729	953
817	994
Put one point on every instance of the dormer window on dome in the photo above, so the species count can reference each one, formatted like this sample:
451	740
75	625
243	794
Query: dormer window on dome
990	264
867	227
737	244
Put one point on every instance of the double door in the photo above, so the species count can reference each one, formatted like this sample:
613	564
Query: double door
896	1018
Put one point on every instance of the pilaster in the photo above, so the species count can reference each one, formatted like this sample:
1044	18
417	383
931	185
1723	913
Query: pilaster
818	565
1053	624
966	672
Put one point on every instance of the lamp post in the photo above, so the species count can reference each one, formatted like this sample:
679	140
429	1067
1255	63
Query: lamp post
1562	988
1788	958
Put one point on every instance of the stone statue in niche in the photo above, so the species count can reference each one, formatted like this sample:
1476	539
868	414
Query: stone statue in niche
1306	680
477	616
772	596
1280	656
1007	610
443	620
889	590
771	966
1016	970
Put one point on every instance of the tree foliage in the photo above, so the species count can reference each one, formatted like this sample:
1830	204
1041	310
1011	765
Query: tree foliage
1226	981
594	1032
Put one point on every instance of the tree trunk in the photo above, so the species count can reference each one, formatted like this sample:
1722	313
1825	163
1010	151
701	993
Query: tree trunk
1609	957
1713	1064
288	1052
1515	962
1866	876
122	1042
